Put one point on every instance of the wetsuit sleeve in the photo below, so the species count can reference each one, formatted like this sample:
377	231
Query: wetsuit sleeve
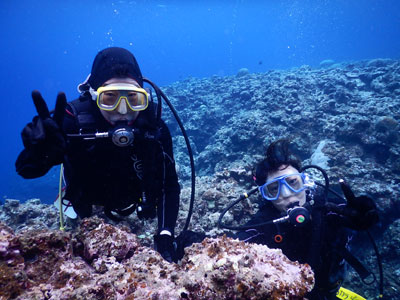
168	205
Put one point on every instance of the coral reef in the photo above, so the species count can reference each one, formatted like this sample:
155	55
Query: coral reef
101	261
31	214
353	106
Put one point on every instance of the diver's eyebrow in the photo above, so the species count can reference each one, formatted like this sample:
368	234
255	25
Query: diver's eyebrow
124	83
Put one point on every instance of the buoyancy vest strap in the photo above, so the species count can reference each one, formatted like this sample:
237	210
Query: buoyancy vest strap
150	171
82	111
356	264
318	229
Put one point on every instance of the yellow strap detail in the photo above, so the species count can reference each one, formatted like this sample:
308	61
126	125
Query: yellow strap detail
346	294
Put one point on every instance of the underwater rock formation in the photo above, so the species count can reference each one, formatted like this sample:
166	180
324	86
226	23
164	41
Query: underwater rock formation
101	261
30	214
223	268
354	106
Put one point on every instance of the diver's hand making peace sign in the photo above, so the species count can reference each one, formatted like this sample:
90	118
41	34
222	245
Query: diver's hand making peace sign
43	139
363	205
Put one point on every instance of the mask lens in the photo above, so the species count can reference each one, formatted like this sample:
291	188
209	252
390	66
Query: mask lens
136	100
109	97
294	181
272	189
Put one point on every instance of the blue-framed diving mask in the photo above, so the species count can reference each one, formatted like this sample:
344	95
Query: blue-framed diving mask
294	183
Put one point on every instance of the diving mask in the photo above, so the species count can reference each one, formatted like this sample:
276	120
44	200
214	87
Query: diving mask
109	97
271	190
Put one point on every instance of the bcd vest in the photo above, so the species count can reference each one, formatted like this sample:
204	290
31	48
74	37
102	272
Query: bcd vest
134	173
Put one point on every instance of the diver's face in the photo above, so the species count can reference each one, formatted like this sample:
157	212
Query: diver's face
122	112
287	197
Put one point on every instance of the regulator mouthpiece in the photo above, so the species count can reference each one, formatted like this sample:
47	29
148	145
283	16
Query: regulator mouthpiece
298	216
122	135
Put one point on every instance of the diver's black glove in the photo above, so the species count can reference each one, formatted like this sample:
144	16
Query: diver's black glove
164	244
363	207
43	139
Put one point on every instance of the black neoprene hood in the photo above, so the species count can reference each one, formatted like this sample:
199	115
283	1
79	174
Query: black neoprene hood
114	62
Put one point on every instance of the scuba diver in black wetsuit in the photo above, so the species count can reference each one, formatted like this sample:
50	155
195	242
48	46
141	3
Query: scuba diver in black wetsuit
115	148
296	218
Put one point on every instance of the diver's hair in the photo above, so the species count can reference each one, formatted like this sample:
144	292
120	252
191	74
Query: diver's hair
277	154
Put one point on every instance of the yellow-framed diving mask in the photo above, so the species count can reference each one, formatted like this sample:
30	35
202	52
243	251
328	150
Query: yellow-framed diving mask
110	96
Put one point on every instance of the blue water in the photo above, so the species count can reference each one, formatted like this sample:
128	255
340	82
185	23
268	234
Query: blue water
50	46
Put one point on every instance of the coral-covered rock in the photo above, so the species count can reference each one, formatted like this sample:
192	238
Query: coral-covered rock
48	265
31	214
99	239
224	268
12	277
43	252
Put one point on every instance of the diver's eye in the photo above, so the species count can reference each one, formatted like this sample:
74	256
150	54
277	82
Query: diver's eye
272	188
294	181
109	97
133	98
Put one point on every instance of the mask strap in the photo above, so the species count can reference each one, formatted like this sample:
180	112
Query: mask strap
83	87
93	93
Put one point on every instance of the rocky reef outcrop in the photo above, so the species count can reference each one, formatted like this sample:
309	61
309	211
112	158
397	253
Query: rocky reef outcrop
345	116
101	261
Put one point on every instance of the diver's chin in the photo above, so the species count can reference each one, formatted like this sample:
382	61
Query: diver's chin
114	122
293	205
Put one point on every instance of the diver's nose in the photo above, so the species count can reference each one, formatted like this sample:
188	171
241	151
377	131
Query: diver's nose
285	192
122	107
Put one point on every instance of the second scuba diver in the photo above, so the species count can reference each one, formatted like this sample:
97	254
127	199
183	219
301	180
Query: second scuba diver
303	226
